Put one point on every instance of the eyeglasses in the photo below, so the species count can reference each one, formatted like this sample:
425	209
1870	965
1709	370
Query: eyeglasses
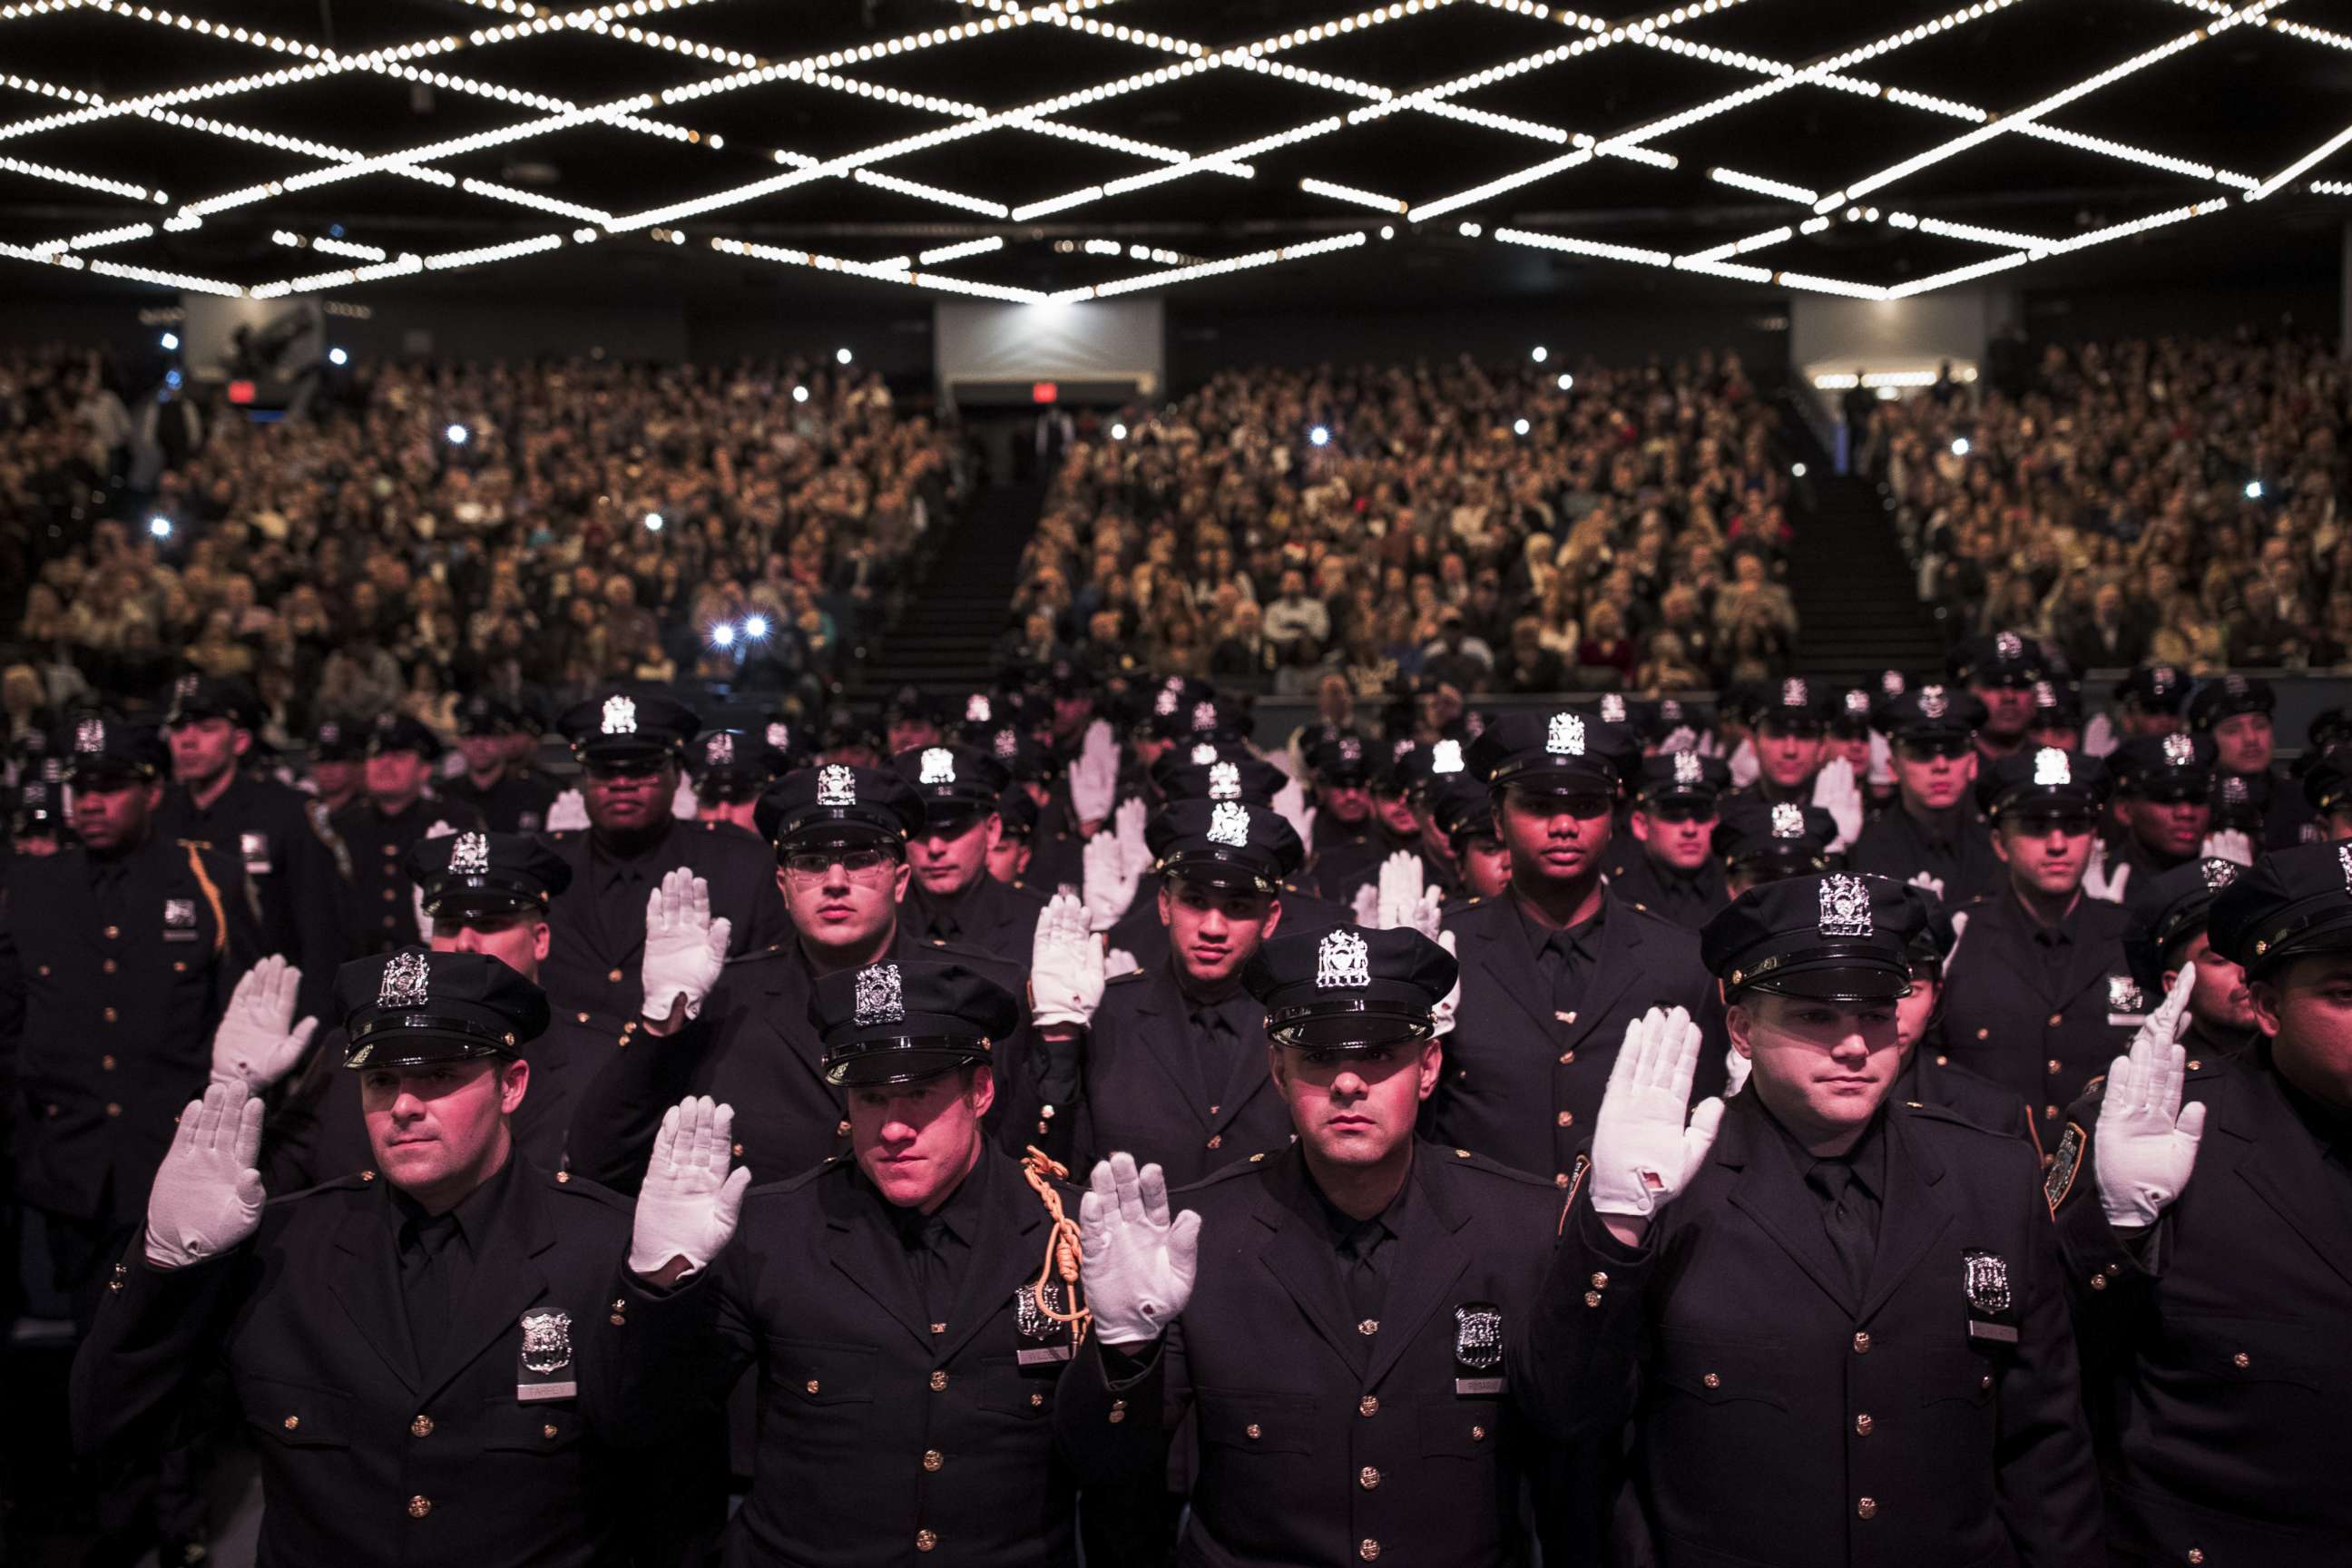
866	866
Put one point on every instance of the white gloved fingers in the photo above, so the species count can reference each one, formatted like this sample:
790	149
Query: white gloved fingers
1184	1252
1128	1183
722	933
246	1135
1683	1063
2167	1023
657	913
183	1131
1152	1185
2192	1124
664	1165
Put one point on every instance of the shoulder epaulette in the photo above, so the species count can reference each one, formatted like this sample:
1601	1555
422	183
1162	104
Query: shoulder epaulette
580	1187
794	1183
357	1181
1468	1160
1252	1166
1132	974
1945	1113
757	954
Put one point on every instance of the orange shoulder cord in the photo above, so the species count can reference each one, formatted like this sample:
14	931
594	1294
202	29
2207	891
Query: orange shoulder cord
1043	1171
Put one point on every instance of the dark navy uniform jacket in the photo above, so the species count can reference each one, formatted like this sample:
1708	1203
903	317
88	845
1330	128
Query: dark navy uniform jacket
383	900
2040	1012
1144	1092
297	866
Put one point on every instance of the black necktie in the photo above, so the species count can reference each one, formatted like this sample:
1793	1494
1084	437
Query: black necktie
425	1284
1366	1290
1845	1214
929	1254
1560	962
1212	1052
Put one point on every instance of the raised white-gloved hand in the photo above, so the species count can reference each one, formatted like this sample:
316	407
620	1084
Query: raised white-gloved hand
1127	825
1366	906
1836	792
1643	1152
1932	884
2230	844
258	1041
2098	881
1109	887
207	1194
569	811
1441	1017
442	828
684	804
1066	966
1882	761
1094	777
2099	737
1290	804
685	948
690	1203
2146	1142
1118	961
1400	884
1137	1263
1743	764
1736	1069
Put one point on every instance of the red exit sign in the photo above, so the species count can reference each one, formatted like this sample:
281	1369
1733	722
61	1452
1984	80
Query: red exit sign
1044	392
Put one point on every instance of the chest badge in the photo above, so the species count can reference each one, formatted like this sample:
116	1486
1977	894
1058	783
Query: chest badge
1044	1339
179	920
1986	1277
1477	1349
546	1355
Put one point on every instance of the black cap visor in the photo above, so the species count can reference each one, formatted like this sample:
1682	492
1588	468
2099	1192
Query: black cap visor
1354	1024
898	1059
1219	868
417	1040
2309	926
1831	971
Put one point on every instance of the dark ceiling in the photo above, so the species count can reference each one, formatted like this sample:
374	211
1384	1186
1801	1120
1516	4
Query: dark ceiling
2251	100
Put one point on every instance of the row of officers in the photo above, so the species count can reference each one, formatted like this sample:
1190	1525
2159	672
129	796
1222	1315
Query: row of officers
1452	1266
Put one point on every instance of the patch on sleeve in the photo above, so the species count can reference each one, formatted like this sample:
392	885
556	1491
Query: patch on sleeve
2063	1166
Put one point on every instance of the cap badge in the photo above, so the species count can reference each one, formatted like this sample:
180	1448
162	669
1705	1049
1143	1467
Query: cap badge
1613	709
89	736
879	997
185	688
1351	749
1342	960
407	981
836	786
2235	685
620	716
1445	756
1007	745
1987	1282
470	855
1688	769
2220	873
1857	703
1203	754
2051	767
1794	693
1566	736
329	733
938	767
1845	907
1787	820
1224	782
546	1342
2179	752
1397	749
1165	703
976	710
2123	993
721	752
1204	715
1933	702
1229	826
2008	646
780	736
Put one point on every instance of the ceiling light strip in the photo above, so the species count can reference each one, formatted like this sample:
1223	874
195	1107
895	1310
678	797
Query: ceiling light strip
80	181
1372	199
963	248
880	272
931	192
1215	269
168	279
2294	169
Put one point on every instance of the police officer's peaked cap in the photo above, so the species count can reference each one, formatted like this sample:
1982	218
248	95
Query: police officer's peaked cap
416	1007
1349	987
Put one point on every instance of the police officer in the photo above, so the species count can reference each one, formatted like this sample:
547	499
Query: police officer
1932	836
2327	789
394	814
2167	932
1010	858
1835	1321
1553	971
36	826
338	773
2057	715
1175	1059
731	769
628	749
2163	808
414	1348
2041	994
890	1301
1349	1318
2205	1209
951	897
1792	739
508	801
911	718
1758	843
1053	841
2001	669
1460	810
1930	932
2235	710
288	852
1349	847
481	892
1673	873
840	834
2149	700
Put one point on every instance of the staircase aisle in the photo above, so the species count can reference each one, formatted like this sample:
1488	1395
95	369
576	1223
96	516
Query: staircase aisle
947	636
1857	597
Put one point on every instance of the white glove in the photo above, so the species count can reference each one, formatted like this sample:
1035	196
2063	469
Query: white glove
207	1194
569	811
1290	804
683	803
1882	761
1441	1017
1139	1264
2099	737
685	948
1118	961
1367	906
1094	777
424	915
1400	886
1835	792
441	828
1736	1069
2146	1143
258	1042
1932	884
1642	1153
1743	765
689	1202
1127	829
2097	880
1066	966
1109	885
2229	845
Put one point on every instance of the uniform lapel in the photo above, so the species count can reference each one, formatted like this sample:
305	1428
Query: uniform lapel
368	1285
2282	1163
1770	1192
506	1278
1508	973
1621	963
1913	1217
1168	1041
1005	1255
1435	1258
1300	1260
865	1250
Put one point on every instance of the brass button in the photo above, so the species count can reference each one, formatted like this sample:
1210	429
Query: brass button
1567	1119
44	972
841	1129
1599	1280
1036	1401
1477	1434
1368	1478
938	1380
291	1422
1117	1412
179	966
1568	1059
925	1539
1252	1432
2098	1281
1713	1379
939	1328
1983	1033
1943	1061
934	1458
108	965
809	1386
1862	1424
419	1506
388	896
2056	1019
106	1064
1867	1508
619	1322
1367	1406
2054	1065
1984	1380
2196	1554
549	1431
1368	1548
620	1304
109	1014
1559	1178
629	1028
614	977
1216	1141
1862	1343
1369	1326
2195	1065
2241	1360
112	1109
1565	1017
113	933
737	1149
1592	1298
584	1017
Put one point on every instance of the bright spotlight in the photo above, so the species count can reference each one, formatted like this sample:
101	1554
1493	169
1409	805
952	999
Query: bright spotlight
724	634
1518	426
160	526
1119	432
171	341
337	356
1566	381
1960	446
458	435
840	356
755	627
1319	435
800	395
652	522
1388	231
2253	489
1540	354
1798	470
